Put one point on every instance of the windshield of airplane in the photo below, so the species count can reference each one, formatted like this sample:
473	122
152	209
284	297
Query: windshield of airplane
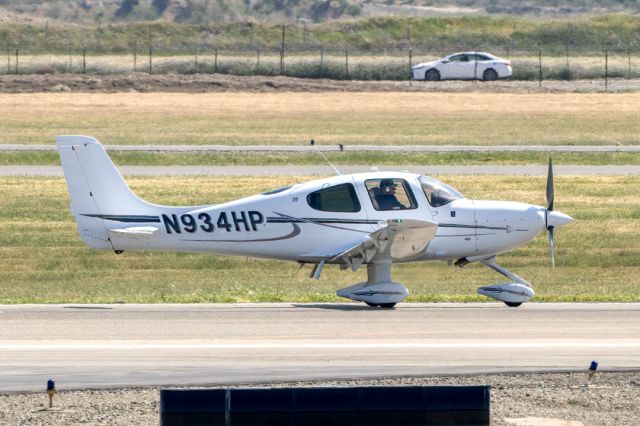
438	194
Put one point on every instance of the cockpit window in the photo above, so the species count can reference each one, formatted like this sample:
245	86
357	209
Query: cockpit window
438	194
390	194
339	198
275	191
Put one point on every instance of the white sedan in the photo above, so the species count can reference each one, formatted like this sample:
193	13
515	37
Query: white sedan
464	66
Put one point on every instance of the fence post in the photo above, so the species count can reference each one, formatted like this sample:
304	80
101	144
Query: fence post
84	60
258	59
70	59
8	60
215	62
321	61
135	55
566	46
150	49
17	68
539	67
282	51
346	63
606	70
628	59
195	61
410	66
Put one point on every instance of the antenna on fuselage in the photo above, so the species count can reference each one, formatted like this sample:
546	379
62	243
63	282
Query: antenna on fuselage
313	144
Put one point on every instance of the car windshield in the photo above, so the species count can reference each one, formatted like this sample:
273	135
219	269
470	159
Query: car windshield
437	193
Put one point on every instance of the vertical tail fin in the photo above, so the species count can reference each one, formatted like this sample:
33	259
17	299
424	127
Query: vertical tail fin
97	189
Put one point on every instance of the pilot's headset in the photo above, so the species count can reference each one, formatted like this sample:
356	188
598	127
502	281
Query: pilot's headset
387	185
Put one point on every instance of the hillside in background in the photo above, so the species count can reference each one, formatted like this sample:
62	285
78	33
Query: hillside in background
206	11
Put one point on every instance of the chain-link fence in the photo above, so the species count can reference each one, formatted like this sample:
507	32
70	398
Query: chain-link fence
548	62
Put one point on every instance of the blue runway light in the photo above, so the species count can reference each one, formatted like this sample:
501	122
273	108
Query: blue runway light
51	385
593	366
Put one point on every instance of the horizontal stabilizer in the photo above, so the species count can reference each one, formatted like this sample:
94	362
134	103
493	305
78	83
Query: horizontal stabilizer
133	233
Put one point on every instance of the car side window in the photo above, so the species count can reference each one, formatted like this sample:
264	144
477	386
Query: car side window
458	58
390	194
339	198
482	58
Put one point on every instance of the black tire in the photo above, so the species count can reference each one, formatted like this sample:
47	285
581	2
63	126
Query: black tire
513	304
373	305
432	75
387	305
490	75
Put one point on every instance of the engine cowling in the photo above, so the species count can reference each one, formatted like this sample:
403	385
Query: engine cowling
508	292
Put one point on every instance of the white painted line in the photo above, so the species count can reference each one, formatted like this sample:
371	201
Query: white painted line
362	346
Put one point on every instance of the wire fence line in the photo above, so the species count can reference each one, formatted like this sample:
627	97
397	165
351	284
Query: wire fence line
338	64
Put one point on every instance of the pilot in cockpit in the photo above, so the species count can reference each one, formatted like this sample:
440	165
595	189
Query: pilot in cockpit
386	197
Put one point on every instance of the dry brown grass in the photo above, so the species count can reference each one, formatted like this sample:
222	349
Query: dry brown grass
351	118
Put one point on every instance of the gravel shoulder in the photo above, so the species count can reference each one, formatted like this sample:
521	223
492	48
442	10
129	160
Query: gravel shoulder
612	399
142	82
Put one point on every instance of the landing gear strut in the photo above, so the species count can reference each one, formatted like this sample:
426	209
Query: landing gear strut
513	293
378	290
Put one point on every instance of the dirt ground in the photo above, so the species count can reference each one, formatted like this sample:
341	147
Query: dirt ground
195	83
547	399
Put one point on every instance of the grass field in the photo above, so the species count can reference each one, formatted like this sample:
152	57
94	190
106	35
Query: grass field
329	118
43	260
349	158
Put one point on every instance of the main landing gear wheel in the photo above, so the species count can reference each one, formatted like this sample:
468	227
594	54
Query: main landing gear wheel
382	305
513	304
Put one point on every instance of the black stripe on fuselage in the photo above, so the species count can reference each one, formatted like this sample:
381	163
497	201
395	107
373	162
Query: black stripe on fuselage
320	220
126	218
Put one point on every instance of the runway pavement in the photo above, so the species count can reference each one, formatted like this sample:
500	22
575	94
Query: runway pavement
325	170
129	345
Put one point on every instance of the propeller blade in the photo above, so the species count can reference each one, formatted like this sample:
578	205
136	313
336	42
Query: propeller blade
552	246
550	186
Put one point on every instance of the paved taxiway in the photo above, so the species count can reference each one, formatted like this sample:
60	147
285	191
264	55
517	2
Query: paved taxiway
126	345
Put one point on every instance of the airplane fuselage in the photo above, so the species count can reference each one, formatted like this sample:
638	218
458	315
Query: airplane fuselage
283	224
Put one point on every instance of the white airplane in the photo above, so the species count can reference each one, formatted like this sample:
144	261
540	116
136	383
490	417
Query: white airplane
373	219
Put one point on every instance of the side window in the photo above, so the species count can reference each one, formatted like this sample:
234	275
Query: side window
482	58
339	198
390	194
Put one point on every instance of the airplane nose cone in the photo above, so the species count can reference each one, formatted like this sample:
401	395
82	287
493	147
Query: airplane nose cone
557	219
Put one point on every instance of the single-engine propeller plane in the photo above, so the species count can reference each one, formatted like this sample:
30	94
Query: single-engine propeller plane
374	219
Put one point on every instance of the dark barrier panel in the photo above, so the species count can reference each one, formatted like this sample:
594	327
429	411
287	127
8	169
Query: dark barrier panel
192	407
360	406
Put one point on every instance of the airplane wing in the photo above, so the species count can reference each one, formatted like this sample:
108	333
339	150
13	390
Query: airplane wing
400	239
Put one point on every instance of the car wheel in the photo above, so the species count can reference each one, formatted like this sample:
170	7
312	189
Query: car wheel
490	75
373	305
513	304
432	75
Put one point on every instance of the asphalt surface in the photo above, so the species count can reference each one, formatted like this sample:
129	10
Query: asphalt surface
130	345
325	170
329	148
